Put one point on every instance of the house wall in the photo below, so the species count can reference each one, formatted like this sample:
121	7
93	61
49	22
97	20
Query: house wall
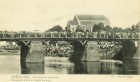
73	28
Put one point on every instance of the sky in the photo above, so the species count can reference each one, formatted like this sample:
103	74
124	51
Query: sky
30	15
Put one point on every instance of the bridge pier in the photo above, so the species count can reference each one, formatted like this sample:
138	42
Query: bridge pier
85	51
127	52
31	57
78	48
91	52
36	52
24	49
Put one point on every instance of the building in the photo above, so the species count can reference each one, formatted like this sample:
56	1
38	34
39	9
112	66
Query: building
86	22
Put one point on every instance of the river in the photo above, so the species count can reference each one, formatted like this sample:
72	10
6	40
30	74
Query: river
10	64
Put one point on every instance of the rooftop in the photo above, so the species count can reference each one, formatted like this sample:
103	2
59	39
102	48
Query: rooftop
92	17
87	22
71	22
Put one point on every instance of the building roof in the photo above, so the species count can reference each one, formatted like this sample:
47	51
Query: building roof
71	22
87	22
92	17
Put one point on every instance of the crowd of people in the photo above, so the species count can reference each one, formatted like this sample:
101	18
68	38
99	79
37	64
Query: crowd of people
98	34
108	49
104	47
61	51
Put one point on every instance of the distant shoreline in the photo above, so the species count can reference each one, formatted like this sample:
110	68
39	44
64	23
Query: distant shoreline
9	53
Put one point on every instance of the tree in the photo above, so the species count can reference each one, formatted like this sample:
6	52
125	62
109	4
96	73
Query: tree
98	27
117	29
120	29
56	28
137	29
95	28
66	28
126	30
101	26
108	28
132	28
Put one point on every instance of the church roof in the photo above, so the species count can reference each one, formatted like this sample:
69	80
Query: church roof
92	17
87	22
71	22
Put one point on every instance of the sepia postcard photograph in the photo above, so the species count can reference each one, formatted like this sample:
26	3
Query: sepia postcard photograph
69	40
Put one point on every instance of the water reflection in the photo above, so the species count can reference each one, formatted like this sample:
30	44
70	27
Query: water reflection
91	67
61	65
100	67
111	67
32	68
58	65
131	67
24	69
79	68
97	67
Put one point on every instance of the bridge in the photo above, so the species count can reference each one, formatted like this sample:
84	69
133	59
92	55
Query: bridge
83	42
68	36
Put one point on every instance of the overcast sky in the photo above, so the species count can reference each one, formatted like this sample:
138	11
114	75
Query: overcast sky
31	15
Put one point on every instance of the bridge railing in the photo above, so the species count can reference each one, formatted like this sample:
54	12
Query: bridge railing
121	35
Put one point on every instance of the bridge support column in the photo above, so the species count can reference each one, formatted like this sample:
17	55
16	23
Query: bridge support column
36	52
91	52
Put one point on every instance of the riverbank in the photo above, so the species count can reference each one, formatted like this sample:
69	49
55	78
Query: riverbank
10	52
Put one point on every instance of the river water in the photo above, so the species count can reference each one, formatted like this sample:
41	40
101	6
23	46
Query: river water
10	64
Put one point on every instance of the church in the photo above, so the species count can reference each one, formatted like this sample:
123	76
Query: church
86	22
